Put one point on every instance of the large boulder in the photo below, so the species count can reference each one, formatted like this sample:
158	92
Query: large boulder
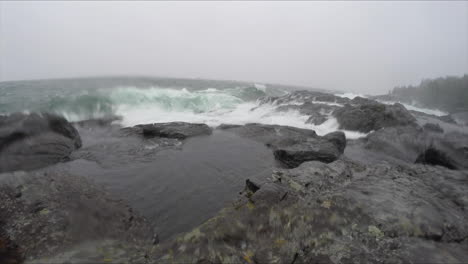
271	135
177	130
434	156
30	141
409	144
372	116
293	146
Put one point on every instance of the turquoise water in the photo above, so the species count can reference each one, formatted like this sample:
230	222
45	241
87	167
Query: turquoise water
81	99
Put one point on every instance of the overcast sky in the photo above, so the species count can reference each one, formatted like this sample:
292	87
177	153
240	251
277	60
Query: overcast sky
366	47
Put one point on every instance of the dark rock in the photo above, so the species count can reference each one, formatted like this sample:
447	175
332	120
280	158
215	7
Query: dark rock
358	100
272	192
270	134
433	127
66	217
9	251
228	126
251	186
317	177
61	126
402	142
97	122
316	119
406	144
382	214
155	239
434	156
30	141
318	106
177	130
312	149
292	146
338	138
445	118
372	116
305	96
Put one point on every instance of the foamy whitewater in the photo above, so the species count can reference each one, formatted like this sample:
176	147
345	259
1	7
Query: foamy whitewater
214	104
135	102
210	106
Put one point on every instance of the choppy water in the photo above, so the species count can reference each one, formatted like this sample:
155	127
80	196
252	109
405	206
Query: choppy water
151	100
146	100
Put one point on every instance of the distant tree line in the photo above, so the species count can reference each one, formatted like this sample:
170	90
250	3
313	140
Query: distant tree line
448	94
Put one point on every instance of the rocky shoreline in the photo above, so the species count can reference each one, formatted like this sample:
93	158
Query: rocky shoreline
397	195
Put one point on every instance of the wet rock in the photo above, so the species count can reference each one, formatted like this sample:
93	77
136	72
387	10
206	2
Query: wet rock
372	116
421	203
270	134
433	128
317	119
155	239
9	251
312	149
251	186
402	142
318	106
409	143
317	177
358	100
434	156
99	122
292	146
271	192
309	108
341	212
177	130
448	119
317	112
30	141
445	118
338	138
227	126
305	96
65	218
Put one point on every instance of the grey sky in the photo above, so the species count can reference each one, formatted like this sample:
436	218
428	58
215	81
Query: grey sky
364	47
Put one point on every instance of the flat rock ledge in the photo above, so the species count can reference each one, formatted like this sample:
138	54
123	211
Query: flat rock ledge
176	130
293	146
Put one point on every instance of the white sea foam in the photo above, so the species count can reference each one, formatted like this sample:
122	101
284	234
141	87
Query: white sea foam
327	103
350	95
210	106
217	108
260	87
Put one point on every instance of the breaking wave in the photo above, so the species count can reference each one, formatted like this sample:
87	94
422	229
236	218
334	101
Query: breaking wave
211	106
